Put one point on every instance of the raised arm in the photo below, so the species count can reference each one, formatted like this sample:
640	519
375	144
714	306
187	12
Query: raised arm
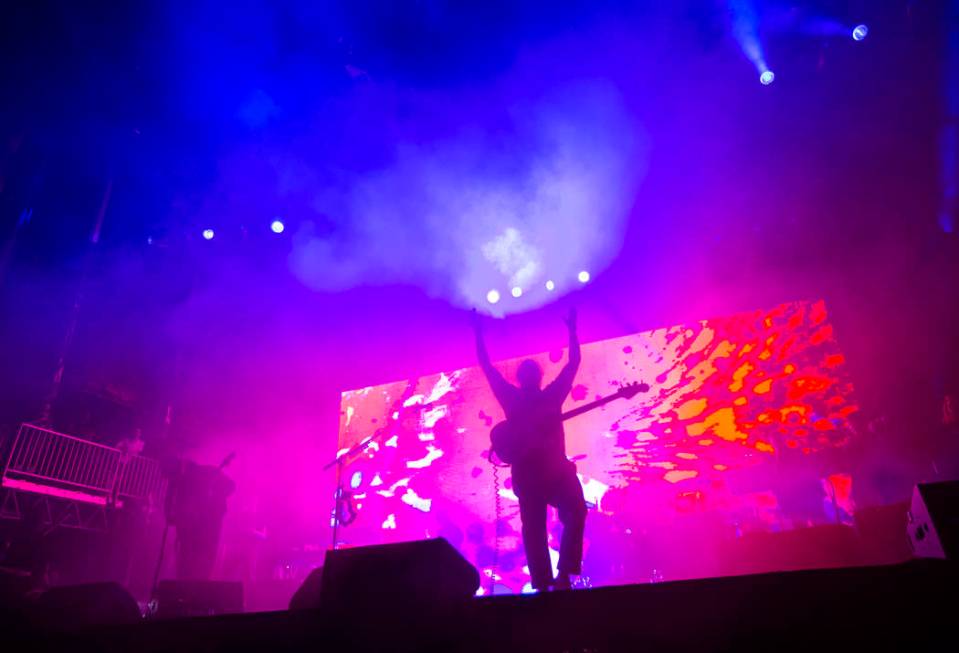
501	387
564	380
575	356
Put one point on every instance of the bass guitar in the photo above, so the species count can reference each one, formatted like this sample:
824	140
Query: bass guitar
511	441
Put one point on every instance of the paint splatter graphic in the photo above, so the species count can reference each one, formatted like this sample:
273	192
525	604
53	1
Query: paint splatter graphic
739	430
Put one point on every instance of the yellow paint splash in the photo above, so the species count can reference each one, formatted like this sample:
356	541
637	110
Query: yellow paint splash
691	408
721	423
739	375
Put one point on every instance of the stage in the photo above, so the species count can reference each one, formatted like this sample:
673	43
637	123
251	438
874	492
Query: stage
651	304
903	607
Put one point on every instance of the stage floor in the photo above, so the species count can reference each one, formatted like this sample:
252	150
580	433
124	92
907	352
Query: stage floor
911	606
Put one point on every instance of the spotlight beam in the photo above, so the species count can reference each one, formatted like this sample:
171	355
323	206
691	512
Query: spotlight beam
745	29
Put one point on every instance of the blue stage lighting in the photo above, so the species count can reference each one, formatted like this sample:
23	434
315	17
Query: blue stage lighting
277	226
208	234
767	77
860	32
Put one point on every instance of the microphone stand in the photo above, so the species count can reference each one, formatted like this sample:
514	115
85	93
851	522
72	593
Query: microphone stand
169	517
342	497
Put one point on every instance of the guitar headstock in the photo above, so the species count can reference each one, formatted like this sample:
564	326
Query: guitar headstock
630	390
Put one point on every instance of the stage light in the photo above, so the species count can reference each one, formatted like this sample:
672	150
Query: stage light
860	32
516	291
550	285
583	276
277	226
492	296
208	234
745	21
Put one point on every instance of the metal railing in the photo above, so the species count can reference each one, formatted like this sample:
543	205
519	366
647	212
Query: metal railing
140	478
58	464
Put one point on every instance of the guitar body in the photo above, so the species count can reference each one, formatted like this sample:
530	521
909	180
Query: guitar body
511	440
510	443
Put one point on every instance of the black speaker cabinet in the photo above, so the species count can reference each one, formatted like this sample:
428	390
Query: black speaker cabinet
407	574
934	520
91	604
307	597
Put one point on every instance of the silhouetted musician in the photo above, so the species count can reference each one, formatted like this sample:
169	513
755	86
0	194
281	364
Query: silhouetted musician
543	476
196	505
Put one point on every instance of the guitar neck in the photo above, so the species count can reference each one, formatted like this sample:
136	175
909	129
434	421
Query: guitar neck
588	407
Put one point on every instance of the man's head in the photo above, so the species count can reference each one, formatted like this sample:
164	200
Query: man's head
529	375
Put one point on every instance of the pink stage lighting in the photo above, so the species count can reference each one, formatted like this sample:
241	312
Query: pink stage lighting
740	409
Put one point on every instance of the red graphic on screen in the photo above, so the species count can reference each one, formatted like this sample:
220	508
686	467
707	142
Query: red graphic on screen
737	432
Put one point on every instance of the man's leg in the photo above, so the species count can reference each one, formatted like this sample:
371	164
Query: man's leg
571	504
532	511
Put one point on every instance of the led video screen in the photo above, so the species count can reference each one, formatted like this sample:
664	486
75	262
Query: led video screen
741	413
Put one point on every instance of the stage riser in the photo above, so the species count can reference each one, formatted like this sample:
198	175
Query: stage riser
903	606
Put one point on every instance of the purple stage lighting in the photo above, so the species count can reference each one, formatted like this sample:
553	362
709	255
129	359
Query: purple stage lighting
208	234
550	285
767	77
583	276
860	32
516	291
492	296
277	226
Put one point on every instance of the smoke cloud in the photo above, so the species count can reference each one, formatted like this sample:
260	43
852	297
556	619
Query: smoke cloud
519	191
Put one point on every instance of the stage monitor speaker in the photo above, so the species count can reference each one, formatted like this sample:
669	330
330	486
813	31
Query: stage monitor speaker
407	575
934	520
198	598
307	597
90	604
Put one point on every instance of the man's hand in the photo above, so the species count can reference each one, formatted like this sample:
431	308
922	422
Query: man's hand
570	319
477	321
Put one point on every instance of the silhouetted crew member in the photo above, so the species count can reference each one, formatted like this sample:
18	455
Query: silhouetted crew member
543	476
196	505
